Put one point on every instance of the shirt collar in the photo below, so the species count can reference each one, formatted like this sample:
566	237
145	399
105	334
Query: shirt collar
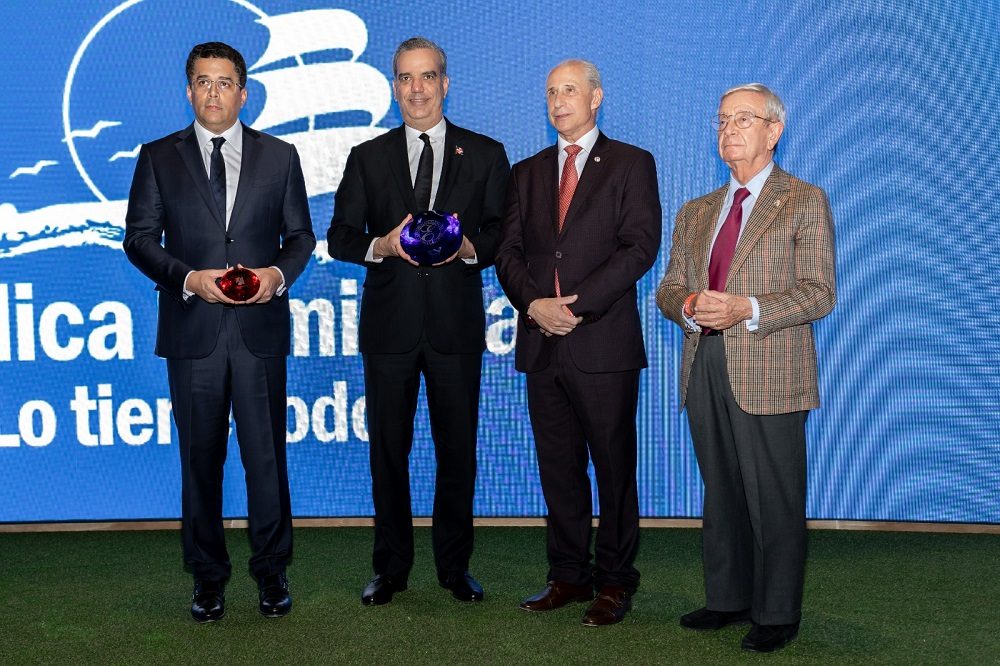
436	133
755	184
586	142
233	135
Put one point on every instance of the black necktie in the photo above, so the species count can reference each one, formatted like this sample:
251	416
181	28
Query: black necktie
217	179
425	174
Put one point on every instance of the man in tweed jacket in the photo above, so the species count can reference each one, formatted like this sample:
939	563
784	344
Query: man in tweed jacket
751	266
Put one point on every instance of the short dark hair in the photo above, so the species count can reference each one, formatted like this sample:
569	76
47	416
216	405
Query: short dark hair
414	43
218	50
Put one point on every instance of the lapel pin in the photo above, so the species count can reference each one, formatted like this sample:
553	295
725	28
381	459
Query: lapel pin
459	151
777	203
597	158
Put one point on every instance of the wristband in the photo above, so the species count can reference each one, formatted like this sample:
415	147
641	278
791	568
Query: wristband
688	302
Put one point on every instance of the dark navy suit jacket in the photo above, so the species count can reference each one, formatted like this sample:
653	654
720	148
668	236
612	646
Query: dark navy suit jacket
173	227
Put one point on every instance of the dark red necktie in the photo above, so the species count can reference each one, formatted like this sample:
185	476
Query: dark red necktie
725	243
567	186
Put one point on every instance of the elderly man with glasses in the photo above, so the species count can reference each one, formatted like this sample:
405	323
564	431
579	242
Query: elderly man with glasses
751	267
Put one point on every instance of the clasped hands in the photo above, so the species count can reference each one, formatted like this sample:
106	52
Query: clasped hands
203	284
389	246
717	309
553	315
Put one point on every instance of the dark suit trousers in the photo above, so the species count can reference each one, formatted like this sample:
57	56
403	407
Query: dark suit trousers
573	412
754	468
203	391
392	383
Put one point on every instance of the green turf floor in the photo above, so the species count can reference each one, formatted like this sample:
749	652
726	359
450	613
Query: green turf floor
123	597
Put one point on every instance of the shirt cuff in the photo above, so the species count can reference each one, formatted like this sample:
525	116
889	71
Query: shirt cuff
281	287
370	257
184	290
474	259
692	326
753	323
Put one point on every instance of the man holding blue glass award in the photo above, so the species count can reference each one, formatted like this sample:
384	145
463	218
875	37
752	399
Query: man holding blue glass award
421	314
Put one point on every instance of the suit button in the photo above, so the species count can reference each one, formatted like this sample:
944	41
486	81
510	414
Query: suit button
558	255
228	239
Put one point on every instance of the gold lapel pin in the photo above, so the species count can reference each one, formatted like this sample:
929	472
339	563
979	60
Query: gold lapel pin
777	203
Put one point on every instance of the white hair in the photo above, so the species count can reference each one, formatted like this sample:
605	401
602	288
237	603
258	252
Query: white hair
590	71
773	106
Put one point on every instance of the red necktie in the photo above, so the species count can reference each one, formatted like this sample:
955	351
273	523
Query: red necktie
567	186
725	243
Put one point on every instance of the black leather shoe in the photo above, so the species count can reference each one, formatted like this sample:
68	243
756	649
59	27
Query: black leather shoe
275	601
769	637
208	601
556	595
463	586
710	620
380	589
609	607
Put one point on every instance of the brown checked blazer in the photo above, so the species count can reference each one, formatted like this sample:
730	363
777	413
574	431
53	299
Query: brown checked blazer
784	258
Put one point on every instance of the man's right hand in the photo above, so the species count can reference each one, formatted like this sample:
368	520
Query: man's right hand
553	315
389	246
202	283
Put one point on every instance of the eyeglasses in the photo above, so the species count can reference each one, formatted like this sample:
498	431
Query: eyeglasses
222	85
743	120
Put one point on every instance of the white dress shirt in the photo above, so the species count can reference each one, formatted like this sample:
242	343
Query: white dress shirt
232	155
414	148
586	143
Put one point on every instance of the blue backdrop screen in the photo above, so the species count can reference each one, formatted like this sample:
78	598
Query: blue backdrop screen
890	112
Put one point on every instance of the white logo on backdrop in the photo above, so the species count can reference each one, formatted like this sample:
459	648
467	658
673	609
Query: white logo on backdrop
296	92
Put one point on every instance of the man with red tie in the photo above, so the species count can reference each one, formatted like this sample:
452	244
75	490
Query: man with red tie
582	226
751	267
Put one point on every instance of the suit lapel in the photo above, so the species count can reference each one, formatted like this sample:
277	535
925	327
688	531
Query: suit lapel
549	191
707	220
594	173
399	165
772	197
450	167
190	152
248	167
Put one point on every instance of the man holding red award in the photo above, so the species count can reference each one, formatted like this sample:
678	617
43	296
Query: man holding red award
422	309
217	195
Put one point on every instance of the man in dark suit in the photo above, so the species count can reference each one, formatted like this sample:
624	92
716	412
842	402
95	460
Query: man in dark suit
582	226
751	267
421	320
218	194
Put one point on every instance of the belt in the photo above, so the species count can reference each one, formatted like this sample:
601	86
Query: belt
709	332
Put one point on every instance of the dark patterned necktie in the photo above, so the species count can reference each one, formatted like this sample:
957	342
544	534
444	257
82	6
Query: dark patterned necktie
217	177
425	176
725	243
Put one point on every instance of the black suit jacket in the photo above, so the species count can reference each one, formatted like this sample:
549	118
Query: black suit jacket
401	301
609	240
173	227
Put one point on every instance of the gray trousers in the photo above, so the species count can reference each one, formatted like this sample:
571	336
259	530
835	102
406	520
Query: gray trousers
754	468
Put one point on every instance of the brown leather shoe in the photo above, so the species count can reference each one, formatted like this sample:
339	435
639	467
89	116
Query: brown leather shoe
610	607
556	595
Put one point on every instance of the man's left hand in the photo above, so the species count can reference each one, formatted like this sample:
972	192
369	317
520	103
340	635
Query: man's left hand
719	310
270	280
